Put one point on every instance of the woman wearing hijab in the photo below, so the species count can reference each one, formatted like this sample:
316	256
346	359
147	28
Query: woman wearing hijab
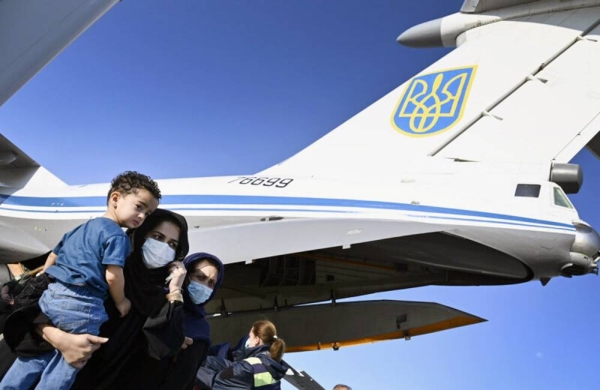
205	274
146	348
155	325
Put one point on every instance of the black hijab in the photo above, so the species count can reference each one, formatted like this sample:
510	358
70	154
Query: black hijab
143	286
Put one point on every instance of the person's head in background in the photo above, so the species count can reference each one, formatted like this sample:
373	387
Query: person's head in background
265	333
341	387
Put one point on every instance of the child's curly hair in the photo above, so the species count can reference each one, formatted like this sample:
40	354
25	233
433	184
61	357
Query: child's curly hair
130	181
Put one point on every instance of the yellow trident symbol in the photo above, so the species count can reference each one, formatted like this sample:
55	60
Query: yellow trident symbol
430	106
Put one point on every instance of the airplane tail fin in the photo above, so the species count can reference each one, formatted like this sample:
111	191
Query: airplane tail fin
520	88
18	170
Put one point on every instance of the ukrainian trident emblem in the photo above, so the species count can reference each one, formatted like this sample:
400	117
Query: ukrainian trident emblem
434	102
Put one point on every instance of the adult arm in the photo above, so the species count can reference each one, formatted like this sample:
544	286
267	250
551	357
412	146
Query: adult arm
178	273
75	348
212	366
164	329
241	370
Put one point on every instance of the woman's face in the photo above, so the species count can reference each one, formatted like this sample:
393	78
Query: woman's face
205	273
253	340
166	232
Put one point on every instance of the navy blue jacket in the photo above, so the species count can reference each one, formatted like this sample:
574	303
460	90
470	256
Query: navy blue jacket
219	374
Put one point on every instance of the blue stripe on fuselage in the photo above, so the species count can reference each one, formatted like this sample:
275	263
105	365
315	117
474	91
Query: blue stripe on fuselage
223	200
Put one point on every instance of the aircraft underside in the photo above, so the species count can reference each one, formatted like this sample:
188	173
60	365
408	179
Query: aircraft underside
385	265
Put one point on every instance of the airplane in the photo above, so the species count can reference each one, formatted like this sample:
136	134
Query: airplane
457	177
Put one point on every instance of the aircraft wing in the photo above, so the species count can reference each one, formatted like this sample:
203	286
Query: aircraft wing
337	325
32	33
522	86
17	169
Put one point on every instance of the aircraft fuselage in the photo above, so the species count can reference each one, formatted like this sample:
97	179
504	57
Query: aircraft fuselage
269	216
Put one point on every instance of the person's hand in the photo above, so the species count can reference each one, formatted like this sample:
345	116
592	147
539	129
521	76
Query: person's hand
177	269
80	347
76	349
187	342
6	297
124	306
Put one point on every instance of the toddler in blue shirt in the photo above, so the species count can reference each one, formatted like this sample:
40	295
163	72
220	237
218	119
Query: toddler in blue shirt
87	265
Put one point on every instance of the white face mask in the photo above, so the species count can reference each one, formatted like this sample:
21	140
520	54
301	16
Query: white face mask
199	293
157	254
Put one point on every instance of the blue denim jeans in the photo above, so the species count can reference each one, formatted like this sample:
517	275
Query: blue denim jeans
72	309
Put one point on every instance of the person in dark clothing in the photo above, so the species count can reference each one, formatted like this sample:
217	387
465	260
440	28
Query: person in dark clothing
205	274
160	240
146	348
257	366
17	293
155	326
86	267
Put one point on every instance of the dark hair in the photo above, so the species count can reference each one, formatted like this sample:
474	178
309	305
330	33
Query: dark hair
342	387
265	330
130	181
189	266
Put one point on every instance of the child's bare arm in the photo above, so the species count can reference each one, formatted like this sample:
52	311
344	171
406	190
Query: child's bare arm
50	260
116	287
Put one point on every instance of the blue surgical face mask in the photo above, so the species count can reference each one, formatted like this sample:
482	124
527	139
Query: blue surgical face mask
199	293
157	254
247	343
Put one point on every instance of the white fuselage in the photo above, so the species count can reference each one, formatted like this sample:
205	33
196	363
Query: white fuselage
241	218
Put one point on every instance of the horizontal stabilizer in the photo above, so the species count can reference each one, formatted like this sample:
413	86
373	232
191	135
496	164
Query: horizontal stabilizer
11	157
344	324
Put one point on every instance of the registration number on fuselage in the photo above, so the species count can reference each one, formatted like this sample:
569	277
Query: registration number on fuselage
277	182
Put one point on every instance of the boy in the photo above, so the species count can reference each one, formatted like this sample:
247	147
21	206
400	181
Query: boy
87	265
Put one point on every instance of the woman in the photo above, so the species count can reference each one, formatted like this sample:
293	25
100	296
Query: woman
205	274
154	327
159	245
146	348
257	366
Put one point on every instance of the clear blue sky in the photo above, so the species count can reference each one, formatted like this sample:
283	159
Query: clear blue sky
204	88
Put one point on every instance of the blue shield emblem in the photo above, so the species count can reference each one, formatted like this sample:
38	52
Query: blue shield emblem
434	102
